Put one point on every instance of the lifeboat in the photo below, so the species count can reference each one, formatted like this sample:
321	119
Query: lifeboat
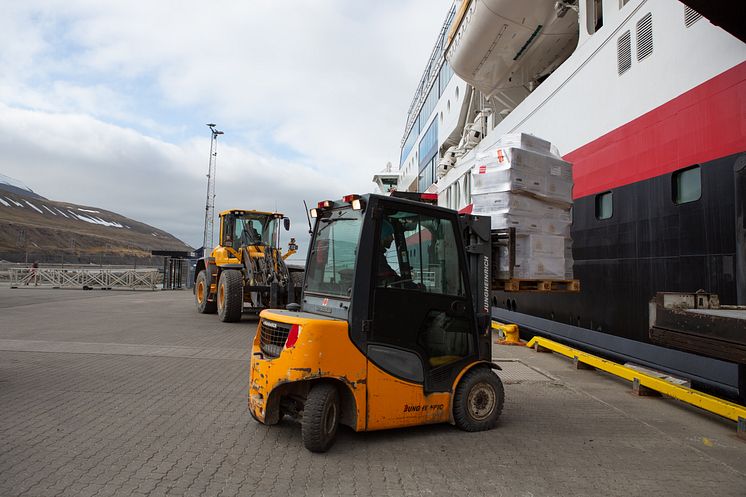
503	45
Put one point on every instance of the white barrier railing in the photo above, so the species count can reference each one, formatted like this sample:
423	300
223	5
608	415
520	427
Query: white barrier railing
84	278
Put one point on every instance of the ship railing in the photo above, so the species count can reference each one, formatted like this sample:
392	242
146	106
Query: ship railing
85	278
431	72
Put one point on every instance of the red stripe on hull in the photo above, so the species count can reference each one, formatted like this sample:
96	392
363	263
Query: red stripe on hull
703	124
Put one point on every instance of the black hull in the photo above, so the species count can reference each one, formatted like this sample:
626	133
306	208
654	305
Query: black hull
650	245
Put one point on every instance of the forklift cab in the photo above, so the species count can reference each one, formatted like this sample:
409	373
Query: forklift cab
393	327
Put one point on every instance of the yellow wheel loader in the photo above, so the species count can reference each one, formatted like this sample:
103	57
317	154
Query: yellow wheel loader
393	327
247	270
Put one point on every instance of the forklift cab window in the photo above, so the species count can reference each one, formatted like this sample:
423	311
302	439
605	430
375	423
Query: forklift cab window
420	303
419	253
331	264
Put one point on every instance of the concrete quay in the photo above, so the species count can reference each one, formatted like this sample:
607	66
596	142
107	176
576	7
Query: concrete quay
109	393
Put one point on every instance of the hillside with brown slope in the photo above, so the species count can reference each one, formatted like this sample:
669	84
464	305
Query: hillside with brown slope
51	230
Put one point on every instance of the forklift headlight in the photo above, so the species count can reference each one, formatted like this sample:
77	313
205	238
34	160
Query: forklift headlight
292	336
357	204
314	213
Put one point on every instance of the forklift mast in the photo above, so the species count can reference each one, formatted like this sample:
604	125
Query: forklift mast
477	240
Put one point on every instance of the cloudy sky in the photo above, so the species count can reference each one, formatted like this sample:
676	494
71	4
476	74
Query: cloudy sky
104	103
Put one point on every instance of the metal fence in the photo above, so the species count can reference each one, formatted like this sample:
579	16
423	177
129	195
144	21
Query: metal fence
178	273
85	278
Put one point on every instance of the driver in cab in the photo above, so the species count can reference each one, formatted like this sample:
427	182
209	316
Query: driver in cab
386	274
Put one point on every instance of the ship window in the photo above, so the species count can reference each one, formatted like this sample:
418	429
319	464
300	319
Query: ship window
691	16
622	3
594	15
624	53
604	205
645	36
686	185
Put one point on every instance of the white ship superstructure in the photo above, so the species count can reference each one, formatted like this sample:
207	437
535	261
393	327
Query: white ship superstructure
647	100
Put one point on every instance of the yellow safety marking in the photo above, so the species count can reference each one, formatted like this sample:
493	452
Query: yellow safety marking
696	398
510	331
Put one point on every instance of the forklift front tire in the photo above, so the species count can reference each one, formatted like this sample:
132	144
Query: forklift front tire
320	417
479	400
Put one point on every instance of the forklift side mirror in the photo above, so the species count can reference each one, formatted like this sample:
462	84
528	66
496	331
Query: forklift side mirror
286	223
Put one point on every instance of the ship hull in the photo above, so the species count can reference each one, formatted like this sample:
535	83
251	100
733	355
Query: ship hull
649	245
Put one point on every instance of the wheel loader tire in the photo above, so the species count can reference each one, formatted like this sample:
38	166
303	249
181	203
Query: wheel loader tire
479	400
320	417
230	296
201	291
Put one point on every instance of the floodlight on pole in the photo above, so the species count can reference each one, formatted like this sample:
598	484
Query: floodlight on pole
207	241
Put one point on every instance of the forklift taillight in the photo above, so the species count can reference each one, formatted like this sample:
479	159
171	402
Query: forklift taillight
355	200
292	336
324	203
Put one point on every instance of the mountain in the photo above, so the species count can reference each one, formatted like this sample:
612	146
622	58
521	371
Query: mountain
11	185
35	228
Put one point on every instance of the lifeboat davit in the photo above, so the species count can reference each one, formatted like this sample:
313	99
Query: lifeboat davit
496	45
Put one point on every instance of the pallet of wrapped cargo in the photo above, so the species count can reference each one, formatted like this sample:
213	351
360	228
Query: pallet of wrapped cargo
526	189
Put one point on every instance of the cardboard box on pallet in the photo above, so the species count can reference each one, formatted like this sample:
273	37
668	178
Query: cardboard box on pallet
523	183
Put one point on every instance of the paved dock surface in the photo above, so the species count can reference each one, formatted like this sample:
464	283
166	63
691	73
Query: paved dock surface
134	393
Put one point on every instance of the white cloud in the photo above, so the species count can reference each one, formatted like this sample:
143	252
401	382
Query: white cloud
106	102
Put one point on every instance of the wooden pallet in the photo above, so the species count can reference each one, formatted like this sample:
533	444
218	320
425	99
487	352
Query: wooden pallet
523	285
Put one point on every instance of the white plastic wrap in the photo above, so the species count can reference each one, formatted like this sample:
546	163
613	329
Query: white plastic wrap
526	223
551	268
523	183
504	178
528	160
485	203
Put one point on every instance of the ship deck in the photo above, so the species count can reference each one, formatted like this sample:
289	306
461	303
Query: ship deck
134	393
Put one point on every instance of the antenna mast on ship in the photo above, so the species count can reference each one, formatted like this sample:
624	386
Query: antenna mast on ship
207	241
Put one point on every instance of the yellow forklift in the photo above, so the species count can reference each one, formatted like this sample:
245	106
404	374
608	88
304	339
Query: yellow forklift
393	327
247	270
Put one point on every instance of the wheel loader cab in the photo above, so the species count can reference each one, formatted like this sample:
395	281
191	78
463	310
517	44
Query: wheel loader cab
394	321
248	228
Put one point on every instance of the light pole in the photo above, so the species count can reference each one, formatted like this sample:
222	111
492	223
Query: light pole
210	202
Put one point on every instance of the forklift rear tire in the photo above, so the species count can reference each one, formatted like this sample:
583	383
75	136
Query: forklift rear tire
230	296
479	400
201	291
320	417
